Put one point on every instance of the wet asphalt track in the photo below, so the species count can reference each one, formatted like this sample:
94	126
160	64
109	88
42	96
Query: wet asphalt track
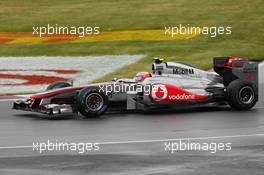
122	153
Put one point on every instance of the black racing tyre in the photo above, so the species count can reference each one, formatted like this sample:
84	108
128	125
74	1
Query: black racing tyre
91	102
241	94
58	85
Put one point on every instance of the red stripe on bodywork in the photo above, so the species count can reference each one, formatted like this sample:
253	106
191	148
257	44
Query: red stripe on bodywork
51	93
54	92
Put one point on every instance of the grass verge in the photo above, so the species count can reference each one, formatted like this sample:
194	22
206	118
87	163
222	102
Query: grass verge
244	16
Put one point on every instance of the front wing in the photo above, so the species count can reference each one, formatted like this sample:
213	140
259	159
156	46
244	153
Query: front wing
49	109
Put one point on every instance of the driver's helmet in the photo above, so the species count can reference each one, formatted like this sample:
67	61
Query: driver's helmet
141	76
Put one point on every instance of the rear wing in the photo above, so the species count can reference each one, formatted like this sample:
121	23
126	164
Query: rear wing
232	68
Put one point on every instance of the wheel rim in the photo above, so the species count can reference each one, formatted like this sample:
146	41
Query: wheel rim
246	95
94	102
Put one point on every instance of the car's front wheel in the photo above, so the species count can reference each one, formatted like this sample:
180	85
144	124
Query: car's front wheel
91	102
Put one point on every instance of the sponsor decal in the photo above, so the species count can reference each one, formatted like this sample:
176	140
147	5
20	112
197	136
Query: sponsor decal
182	71
182	97
250	69
159	92
171	93
249	77
159	67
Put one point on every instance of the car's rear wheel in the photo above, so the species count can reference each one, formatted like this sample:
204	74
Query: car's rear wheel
242	95
91	102
58	85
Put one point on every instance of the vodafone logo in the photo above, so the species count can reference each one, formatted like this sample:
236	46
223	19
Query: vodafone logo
159	92
182	97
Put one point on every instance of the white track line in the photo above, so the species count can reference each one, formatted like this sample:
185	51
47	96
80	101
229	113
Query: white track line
7	100
15	147
153	141
178	139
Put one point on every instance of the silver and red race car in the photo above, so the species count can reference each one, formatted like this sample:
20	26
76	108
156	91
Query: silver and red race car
170	86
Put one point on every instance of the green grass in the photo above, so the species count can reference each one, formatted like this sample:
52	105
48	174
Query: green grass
245	16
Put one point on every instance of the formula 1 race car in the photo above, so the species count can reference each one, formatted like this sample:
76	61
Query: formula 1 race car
170	86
